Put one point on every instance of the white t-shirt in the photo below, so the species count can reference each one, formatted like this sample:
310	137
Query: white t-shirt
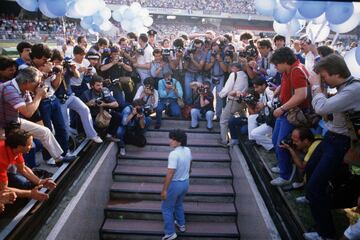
180	159
74	81
143	59
155	97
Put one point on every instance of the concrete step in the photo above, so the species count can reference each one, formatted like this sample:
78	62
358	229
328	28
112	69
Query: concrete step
192	142
151	210
196	163
167	125
168	149
143	229
151	191
156	174
190	135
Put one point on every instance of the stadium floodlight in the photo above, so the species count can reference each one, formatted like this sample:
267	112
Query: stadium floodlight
171	17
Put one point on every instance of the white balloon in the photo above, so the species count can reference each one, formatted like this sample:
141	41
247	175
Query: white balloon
137	23
28	5
352	64
44	9
98	19
84	24
265	8
283	15
143	13
106	26
117	16
349	24
125	25
129	14
148	21
291	28
135	6
72	12
105	13
312	30
86	7
143	30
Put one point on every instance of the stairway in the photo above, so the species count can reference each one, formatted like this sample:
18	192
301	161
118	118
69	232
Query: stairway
134	211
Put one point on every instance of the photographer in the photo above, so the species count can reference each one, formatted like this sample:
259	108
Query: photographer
333	71
169	91
49	107
143	58
293	93
69	101
235	86
100	97
112	68
194	62
215	64
159	66
263	65
259	126
149	95
79	86
177	61
202	105
133	126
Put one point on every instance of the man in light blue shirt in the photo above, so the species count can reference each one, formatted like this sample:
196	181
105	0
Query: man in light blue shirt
169	91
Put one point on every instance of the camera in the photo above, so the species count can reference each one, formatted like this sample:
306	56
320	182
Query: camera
276	103
229	53
68	62
140	111
98	101
250	100
140	51
166	52
215	80
203	90
168	82
213	53
288	141
63	98
147	110
55	70
250	51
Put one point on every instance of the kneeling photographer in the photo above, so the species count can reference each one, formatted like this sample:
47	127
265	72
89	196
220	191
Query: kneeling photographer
261	123
133	126
149	95
102	107
202	105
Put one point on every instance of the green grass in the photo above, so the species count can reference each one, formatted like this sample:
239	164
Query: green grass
14	54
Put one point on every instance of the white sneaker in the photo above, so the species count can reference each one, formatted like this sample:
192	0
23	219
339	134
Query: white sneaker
279	181
51	162
297	185
96	139
275	170
182	228
122	151
301	200
169	236
312	236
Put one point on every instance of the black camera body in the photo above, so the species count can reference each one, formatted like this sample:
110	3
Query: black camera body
215	80
229	53
166	52
287	141
63	98
203	90
214	53
98	101
250	100
276	103
147	110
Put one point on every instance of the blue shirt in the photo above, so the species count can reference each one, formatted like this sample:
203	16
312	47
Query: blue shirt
215	69
180	160
169	94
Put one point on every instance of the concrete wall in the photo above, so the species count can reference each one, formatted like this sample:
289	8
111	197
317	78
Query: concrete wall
84	214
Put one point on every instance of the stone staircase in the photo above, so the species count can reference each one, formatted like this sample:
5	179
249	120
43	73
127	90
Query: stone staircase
134	211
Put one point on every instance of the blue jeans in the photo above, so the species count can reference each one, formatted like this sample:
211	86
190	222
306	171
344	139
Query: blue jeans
219	100
322	168
16	180
169	104
281	130
235	123
190	77
50	110
196	115
174	204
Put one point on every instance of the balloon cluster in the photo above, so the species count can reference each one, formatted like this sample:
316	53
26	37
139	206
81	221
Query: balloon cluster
340	17
94	14
133	18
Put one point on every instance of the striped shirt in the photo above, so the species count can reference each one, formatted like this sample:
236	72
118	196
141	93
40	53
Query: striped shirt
10	100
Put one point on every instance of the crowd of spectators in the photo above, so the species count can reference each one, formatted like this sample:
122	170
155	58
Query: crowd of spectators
228	6
254	86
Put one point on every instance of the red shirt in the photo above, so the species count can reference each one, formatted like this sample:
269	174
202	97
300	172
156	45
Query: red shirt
298	80
7	157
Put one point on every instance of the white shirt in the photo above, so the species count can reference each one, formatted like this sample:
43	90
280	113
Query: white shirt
267	97
155	96
180	159
241	84
144	59
74	81
309	61
48	82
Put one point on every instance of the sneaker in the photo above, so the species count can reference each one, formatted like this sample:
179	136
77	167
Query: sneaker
209	129
111	138
191	127
157	126
182	228
122	151
275	170
96	139
169	236
51	162
223	143
312	236
301	200
279	181
68	158
297	185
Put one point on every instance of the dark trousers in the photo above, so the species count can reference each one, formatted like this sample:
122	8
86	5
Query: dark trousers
51	114
323	168
170	105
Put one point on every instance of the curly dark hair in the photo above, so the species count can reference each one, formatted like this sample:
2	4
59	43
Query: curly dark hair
179	136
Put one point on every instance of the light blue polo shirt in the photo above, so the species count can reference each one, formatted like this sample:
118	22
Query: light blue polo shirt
180	159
